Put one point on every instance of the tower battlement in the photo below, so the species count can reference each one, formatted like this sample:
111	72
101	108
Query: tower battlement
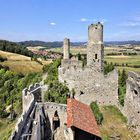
95	33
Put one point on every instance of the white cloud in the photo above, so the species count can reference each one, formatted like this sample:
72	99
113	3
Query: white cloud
83	19
136	17
53	23
132	21
93	20
130	24
87	20
104	20
122	36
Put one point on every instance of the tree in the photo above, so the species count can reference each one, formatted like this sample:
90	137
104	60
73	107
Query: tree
57	92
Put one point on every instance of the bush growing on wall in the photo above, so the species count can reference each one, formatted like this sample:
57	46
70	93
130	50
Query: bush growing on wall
122	86
108	67
97	113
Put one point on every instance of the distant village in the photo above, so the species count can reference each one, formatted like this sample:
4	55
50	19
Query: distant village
47	54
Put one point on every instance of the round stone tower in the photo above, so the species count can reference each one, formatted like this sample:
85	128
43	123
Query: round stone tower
66	48
95	48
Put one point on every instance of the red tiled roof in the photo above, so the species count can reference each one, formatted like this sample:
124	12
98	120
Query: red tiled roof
80	116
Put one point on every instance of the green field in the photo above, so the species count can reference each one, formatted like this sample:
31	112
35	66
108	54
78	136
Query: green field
119	59
125	62
128	61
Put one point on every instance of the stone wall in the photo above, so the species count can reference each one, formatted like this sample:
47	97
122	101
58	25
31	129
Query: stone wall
34	91
51	107
29	97
91	85
131	107
22	121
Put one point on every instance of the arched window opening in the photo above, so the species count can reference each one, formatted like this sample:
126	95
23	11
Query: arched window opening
55	121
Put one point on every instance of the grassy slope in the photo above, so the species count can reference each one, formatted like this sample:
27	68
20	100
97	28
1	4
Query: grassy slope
115	124
20	63
6	127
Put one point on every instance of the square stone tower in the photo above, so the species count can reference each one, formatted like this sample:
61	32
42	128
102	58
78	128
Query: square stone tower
95	48
66	48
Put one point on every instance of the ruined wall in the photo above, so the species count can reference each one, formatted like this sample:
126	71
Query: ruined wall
131	107
91	85
22	121
29	97
34	91
51	107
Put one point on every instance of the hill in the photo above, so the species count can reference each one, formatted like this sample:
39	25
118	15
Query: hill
41	43
20	63
14	48
57	44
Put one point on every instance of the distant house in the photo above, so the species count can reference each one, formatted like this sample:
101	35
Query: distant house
81	121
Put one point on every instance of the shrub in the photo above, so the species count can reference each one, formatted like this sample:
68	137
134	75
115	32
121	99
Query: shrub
122	86
108	67
57	92
97	113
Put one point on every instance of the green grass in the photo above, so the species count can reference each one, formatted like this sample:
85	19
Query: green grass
115	123
116	112
6	128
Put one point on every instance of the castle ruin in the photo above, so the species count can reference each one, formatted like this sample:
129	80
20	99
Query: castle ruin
89	82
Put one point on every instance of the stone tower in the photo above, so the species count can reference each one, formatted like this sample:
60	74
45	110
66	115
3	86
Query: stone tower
66	48
95	48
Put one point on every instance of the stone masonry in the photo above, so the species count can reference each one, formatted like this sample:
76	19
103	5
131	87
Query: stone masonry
95	46
131	107
89	82
66	47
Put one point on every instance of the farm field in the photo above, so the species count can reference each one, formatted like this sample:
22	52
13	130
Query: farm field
119	59
73	50
21	63
131	60
129	63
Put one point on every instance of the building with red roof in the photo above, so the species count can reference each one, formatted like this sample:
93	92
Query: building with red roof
81	120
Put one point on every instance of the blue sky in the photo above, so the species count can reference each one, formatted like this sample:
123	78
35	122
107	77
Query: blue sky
53	20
